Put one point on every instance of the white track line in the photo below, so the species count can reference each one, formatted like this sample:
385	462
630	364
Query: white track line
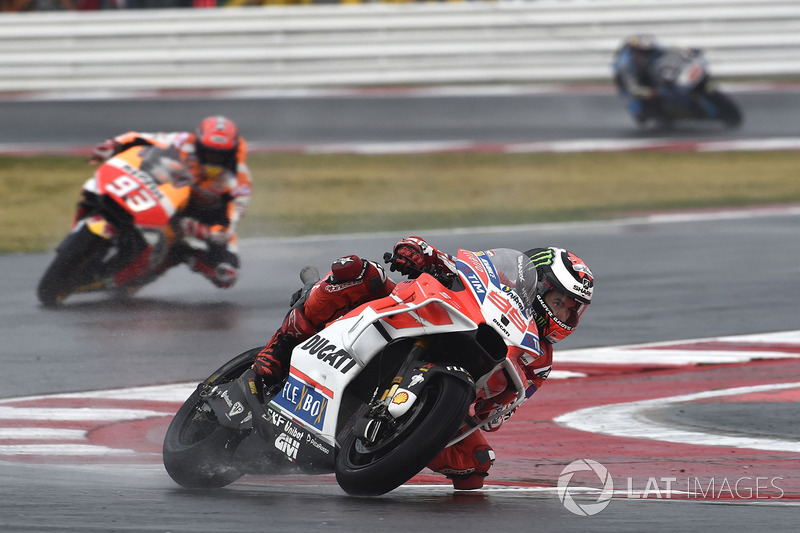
629	420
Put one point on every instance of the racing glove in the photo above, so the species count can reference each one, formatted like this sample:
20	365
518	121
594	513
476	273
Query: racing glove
410	257
104	151
215	234
489	409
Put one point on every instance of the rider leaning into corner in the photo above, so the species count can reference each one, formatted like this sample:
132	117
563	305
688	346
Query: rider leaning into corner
563	293
631	64
215	155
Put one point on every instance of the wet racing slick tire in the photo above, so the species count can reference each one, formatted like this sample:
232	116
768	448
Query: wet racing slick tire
402	449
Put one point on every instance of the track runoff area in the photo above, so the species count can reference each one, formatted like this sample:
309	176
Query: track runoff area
705	419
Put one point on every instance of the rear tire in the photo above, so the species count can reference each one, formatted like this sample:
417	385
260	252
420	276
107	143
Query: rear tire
69	268
729	112
197	451
372	468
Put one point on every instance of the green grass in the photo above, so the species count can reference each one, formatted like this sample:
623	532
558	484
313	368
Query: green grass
297	194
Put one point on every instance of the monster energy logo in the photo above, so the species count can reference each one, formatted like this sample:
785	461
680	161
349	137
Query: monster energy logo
545	257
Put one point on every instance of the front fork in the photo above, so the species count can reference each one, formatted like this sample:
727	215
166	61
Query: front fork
379	415
400	397
413	361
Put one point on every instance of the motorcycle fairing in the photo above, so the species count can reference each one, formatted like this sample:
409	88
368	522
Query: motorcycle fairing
297	444
693	74
152	203
416	308
473	271
304	398
508	314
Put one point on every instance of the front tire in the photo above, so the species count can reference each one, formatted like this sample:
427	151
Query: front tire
69	268
367	468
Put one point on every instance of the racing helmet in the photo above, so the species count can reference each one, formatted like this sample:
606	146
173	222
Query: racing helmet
642	47
216	144
564	272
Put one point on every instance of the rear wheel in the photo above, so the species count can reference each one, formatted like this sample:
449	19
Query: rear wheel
69	268
197	451
728	111
401	449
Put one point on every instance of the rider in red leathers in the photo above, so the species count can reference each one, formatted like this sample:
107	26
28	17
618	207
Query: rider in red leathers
563	293
215	154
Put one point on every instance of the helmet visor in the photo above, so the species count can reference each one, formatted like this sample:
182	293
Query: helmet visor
214	157
565	310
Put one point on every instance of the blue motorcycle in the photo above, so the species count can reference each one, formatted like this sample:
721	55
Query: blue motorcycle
685	91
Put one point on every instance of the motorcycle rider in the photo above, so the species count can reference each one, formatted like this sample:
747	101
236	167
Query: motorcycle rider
631	64
215	154
564	290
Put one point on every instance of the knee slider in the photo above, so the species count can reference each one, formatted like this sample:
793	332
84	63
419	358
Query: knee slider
484	457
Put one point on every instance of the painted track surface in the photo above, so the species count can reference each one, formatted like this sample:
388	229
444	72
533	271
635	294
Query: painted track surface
602	395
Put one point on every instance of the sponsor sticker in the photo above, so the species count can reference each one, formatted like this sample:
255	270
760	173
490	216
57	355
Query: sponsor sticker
303	401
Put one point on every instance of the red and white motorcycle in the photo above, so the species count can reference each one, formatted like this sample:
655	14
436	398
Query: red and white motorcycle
375	395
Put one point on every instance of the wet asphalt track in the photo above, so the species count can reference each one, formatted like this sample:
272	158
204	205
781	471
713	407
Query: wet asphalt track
504	117
180	328
655	282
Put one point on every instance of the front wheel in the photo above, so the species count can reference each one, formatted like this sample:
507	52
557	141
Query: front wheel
402	449
71	266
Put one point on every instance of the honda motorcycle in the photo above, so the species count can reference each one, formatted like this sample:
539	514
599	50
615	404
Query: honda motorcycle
127	227
686	92
375	395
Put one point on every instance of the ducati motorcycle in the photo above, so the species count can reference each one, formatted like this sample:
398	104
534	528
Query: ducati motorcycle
375	395
127	229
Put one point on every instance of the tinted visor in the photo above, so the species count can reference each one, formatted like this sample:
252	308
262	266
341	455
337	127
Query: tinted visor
219	158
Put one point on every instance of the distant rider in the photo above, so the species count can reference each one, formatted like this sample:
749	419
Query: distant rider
564	291
632	77
215	154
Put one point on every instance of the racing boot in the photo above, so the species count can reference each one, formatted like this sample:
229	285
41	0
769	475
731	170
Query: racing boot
274	358
272	362
465	463
484	457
